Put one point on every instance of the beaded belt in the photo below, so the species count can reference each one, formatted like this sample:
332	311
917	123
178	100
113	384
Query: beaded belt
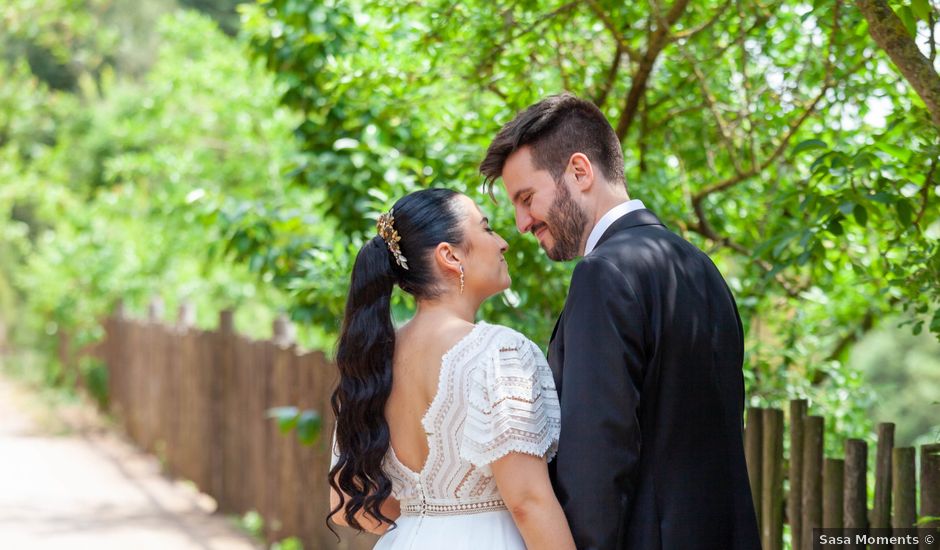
425	509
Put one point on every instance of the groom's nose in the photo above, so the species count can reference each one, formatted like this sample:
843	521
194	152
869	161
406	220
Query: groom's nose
523	220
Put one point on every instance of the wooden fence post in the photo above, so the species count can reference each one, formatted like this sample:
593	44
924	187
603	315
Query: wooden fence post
812	478
114	360
280	521
855	502
283	330
881	512
155	309
772	480
753	443
224	339
798	408
833	479
186	316
903	487
930	487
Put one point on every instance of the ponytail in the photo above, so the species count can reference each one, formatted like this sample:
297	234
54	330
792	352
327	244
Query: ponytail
364	357
421	221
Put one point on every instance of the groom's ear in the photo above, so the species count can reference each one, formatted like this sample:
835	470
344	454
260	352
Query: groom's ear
582	171
448	258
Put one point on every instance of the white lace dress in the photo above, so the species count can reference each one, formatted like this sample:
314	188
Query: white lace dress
495	395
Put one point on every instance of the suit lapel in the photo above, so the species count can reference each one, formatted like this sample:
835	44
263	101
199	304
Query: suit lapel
556	351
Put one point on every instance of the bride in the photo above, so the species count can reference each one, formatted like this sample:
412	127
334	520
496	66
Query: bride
444	427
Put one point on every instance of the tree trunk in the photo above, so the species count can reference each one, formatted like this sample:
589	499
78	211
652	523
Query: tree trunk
891	35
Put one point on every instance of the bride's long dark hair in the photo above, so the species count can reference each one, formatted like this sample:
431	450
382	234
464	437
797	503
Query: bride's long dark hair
423	220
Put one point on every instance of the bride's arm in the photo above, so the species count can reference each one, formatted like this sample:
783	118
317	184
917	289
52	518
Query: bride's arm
390	509
524	485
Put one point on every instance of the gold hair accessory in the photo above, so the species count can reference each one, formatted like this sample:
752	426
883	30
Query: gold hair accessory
391	237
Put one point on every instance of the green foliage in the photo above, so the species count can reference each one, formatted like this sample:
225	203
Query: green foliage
290	543
120	191
904	370
755	138
252	523
95	374
307	423
776	137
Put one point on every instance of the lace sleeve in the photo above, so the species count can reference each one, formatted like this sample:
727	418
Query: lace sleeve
513	406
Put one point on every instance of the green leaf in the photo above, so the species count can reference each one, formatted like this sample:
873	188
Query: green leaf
861	215
286	417
308	427
902	154
905	212
784	241
907	17
835	226
921	9
809	144
881	197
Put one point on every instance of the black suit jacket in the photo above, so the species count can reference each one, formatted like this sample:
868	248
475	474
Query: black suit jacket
647	357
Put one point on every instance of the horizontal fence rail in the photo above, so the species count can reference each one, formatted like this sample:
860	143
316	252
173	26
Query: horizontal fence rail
199	400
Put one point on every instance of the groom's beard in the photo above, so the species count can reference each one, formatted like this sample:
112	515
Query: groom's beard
566	222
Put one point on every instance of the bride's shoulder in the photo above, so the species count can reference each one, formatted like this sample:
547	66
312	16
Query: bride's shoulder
508	338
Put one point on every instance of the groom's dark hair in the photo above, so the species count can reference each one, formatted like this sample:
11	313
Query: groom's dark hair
556	128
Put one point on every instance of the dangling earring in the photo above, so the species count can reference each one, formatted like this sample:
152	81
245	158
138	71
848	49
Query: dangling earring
461	278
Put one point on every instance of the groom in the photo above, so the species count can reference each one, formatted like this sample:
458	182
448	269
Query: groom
647	353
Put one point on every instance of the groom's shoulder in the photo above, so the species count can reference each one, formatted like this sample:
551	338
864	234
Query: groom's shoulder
644	246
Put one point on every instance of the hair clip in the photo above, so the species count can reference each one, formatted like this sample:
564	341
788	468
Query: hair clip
391	237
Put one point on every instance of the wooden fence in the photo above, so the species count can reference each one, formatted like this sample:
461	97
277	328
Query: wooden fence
199	400
833	492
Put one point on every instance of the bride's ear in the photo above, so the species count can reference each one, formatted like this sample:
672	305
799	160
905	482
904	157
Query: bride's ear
448	258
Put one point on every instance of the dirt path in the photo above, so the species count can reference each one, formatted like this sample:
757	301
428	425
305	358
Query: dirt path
89	489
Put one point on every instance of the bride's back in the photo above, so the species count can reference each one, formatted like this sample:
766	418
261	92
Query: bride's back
419	348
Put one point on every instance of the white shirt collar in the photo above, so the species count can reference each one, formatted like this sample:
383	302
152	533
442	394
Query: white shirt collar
608	219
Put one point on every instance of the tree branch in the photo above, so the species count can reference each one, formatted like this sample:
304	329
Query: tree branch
711	103
889	33
932	22
758	22
658	39
808	109
689	33
560	63
485	67
867	322
849	338
781	147
601	96
705	229
925	192
616	33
